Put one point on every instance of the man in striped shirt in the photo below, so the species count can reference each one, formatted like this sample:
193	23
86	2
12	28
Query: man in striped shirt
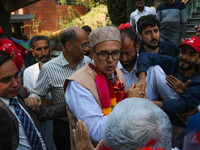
53	75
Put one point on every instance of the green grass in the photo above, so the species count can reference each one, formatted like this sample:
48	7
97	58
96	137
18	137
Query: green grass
94	18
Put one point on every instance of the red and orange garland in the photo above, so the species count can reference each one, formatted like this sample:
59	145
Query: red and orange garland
110	93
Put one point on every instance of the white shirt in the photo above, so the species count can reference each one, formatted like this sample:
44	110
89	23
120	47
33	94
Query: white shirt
135	16
84	106
23	139
156	82
30	76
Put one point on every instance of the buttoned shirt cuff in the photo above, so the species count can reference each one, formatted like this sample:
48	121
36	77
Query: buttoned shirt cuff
34	95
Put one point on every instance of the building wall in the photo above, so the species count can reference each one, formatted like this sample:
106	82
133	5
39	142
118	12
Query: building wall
47	11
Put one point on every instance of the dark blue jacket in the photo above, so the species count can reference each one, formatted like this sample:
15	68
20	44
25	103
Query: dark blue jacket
190	99
165	48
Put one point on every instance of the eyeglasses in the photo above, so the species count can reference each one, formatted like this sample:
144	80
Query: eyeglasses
85	45
104	55
40	48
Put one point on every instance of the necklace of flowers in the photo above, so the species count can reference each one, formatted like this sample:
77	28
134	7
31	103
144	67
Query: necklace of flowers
110	93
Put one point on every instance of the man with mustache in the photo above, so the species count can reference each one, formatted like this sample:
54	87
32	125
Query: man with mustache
85	90
40	47
148	31
139	12
24	123
156	77
183	68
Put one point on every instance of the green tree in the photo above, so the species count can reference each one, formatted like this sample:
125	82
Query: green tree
117	11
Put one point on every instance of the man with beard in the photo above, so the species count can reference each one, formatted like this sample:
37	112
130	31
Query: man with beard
41	51
156	77
148	31
40	47
183	68
139	12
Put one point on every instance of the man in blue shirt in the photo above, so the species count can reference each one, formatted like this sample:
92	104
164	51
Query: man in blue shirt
184	67
148	31
173	18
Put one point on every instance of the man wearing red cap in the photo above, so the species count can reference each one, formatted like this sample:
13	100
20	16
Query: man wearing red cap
183	68
8	46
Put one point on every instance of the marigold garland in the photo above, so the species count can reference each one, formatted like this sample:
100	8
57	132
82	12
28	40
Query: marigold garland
109	93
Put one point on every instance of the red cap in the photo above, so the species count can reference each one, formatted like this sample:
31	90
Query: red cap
1	30
194	42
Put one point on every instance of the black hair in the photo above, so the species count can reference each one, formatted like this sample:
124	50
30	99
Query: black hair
130	33
87	28
37	38
4	57
68	36
145	21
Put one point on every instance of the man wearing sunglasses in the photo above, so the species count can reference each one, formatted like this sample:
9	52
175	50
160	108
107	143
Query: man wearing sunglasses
84	91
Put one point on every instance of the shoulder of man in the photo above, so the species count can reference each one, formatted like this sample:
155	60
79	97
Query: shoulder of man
133	14
30	68
161	6
180	4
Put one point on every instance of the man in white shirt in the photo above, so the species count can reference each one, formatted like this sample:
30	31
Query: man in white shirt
85	91
139	12
41	50
156	82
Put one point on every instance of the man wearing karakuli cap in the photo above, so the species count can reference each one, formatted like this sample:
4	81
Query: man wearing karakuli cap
184	68
92	91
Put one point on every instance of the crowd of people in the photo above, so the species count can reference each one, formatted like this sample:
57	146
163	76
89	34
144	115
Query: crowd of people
126	89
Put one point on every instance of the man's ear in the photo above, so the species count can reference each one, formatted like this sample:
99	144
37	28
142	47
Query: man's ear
68	46
137	48
32	51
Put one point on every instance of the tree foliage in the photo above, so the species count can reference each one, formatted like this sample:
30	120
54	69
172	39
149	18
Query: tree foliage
120	10
117	11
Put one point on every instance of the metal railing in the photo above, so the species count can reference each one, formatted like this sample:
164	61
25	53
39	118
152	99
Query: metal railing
192	7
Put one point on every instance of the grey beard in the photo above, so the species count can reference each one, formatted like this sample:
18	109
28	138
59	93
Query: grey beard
40	62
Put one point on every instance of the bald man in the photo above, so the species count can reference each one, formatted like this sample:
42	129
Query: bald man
53	75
